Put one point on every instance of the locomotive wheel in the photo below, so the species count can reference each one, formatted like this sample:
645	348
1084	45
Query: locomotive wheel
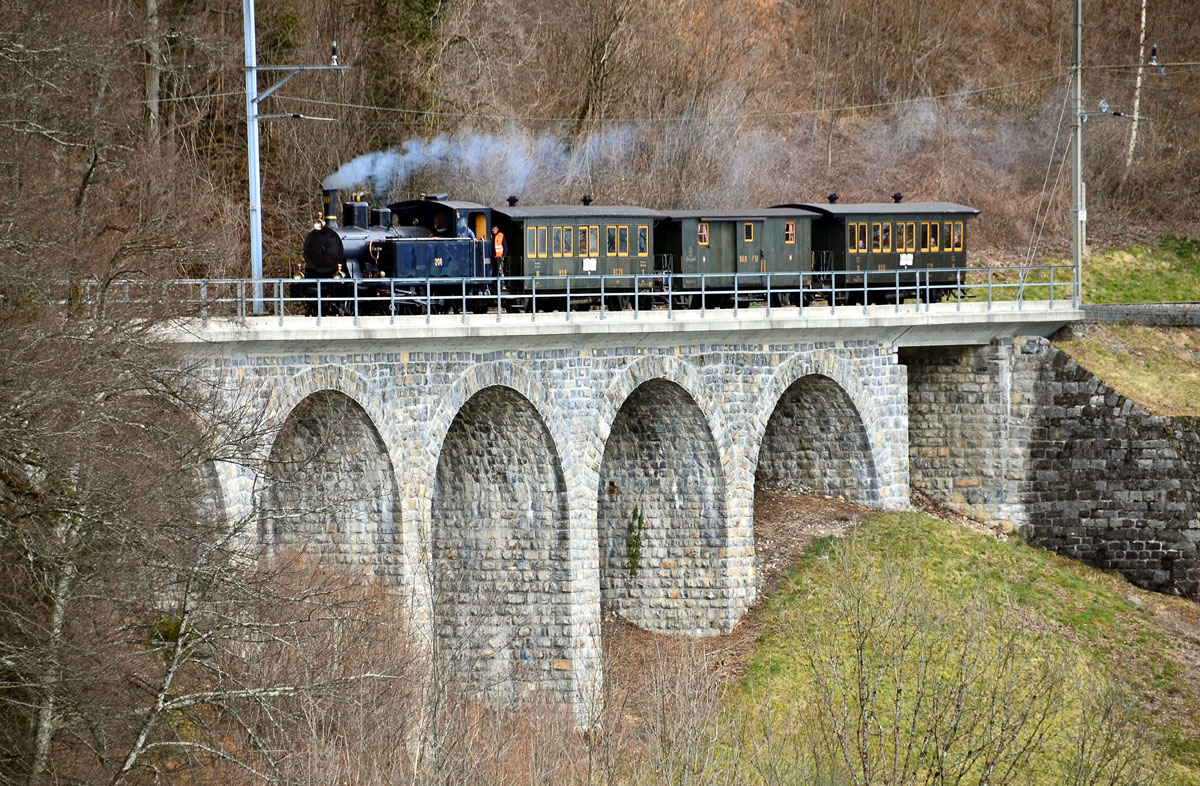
682	301
783	299
618	302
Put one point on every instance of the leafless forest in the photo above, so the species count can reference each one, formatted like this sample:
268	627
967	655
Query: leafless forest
144	640
124	133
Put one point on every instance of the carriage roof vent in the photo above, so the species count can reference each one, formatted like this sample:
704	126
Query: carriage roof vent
512	201
436	197
896	197
833	198
586	199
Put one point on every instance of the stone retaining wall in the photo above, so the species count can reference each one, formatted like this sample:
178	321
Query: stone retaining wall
1152	314
1019	435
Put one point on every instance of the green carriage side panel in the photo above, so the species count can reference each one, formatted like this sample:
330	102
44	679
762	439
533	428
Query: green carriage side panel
554	263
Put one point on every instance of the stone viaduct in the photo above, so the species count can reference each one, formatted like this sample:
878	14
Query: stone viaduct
490	468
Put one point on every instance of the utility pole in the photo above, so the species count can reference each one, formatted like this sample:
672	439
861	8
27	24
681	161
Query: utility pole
1078	208
252	151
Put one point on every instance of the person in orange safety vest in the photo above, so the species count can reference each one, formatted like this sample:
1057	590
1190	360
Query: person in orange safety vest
498	242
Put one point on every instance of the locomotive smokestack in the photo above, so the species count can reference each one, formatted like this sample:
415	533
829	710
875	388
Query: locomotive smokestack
833	198
896	197
586	199
329	199
512	201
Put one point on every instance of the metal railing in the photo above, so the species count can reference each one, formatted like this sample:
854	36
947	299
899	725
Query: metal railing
565	296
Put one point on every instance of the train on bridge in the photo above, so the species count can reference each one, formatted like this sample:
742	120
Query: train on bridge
434	253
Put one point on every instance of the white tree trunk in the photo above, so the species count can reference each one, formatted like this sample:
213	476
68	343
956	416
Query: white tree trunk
1137	89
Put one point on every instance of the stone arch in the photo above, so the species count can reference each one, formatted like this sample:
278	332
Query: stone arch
662	458
330	485
819	430
500	569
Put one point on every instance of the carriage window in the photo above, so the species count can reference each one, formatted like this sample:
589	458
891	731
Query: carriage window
622	241
910	242
789	232
531	242
643	241
748	232
934	243
702	233
875	238
556	242
958	236
593	241
853	228
611	246
924	236
568	240
541	246
887	237
861	242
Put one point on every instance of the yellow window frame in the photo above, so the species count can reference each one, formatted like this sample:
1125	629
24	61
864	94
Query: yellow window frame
702	233
610	240
556	234
935	239
885	238
531	241
541	243
911	241
748	232
852	231
622	241
924	235
958	236
875	237
643	241
593	241
568	241
789	232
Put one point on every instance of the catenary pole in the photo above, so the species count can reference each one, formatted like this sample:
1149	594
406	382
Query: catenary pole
252	161
253	116
1078	209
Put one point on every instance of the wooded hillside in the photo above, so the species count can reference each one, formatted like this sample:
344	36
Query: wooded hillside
124	130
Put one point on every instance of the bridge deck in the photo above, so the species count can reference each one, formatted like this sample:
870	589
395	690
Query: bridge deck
941	324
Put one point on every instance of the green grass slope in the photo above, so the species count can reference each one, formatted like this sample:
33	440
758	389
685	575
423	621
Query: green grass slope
1164	272
918	651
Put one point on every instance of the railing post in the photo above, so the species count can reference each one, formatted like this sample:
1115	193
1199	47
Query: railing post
989	289
703	294
603	303
670	296
356	311
464	302
958	288
428	300
736	299
533	299
391	301
320	304
1052	286
569	298
865	289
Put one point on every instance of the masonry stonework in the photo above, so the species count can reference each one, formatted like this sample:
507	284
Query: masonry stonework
494	487
1019	435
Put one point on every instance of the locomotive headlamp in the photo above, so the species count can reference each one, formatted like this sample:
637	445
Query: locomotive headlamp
318	223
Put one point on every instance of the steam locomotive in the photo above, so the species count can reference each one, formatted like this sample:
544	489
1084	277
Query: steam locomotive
435	253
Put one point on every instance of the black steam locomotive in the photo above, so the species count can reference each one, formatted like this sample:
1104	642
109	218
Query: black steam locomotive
438	254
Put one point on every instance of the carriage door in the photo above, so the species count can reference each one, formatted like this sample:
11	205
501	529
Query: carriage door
750	257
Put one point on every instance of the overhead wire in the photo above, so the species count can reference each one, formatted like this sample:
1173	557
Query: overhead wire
1035	240
698	118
